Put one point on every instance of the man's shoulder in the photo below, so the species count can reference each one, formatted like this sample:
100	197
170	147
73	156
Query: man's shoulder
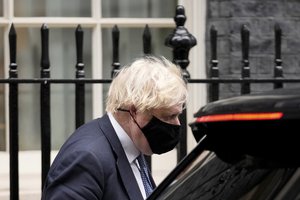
93	126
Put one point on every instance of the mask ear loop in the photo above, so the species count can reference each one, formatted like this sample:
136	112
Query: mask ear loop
125	110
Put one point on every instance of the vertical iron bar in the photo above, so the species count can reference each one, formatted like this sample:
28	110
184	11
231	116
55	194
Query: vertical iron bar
245	87
147	51
278	74
79	87
214	70
115	41
181	41
45	103
147	40
13	118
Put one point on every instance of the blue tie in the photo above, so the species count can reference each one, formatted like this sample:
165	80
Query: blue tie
145	175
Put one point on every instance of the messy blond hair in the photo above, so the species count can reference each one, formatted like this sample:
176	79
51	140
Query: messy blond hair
147	83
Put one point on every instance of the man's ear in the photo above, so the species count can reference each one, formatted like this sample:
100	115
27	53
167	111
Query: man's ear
132	110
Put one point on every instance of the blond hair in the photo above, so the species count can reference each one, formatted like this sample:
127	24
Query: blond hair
147	83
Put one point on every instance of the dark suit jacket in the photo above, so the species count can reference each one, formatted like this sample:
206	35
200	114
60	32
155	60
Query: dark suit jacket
92	165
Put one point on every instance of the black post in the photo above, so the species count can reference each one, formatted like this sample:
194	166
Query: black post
45	103
115	41
147	51
79	87
214	69
181	41
245	87
13	118
147	40
278	74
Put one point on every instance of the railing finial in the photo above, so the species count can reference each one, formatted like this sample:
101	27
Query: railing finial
181	41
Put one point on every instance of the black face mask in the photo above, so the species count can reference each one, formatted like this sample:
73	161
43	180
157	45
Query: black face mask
161	136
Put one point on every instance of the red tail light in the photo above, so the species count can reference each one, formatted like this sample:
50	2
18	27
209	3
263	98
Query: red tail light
240	117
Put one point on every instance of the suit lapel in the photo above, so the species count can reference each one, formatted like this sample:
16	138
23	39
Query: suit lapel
128	179
122	163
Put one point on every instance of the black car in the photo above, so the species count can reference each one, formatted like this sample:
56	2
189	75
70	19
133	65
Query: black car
248	149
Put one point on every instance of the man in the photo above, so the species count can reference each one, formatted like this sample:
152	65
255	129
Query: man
100	159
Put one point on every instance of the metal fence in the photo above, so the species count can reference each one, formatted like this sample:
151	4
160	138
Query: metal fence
181	41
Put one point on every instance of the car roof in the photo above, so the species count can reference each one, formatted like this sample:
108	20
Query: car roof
286	100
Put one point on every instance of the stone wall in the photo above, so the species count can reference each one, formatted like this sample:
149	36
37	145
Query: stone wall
260	17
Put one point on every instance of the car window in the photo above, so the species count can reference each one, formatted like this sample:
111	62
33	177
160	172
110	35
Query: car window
211	178
269	187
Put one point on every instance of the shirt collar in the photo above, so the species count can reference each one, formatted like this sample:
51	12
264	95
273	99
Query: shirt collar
129	147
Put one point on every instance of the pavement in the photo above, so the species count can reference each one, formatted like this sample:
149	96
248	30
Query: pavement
29	175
